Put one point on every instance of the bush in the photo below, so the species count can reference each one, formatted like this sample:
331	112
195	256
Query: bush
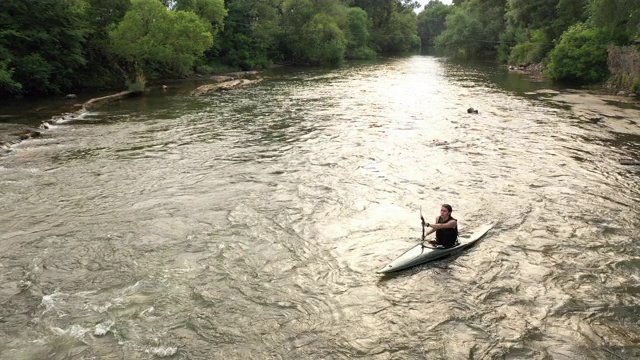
7	84
532	51
139	84
520	53
580	56
213	68
635	87
363	53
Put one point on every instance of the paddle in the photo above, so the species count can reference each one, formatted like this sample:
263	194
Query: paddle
424	224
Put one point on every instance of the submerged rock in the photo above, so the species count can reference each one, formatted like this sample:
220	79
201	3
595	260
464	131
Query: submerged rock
13	134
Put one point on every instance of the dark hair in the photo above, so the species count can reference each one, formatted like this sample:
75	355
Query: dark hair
448	207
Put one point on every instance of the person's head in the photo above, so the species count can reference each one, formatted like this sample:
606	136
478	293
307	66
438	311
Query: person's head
446	210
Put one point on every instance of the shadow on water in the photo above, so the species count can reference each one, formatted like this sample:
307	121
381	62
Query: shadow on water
497	76
440	264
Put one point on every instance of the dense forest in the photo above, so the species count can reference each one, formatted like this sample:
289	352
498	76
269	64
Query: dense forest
55	46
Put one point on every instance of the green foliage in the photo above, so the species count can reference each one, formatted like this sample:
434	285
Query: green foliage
296	13
42	44
251	34
379	11
520	53
323	41
357	34
363	53
357	28
461	33
432	21
473	28
213	11
215	67
320	32
400	33
568	12
635	87
621	15
531	51
7	84
139	84
510	37
101	69
532	14
48	46
533	25
160	41
580	56
393	24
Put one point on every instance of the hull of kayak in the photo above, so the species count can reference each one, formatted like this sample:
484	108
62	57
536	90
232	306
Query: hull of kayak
420	254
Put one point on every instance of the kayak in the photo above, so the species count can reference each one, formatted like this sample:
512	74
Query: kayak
629	162
421	254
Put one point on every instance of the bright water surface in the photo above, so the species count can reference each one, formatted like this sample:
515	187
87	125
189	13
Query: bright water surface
250	224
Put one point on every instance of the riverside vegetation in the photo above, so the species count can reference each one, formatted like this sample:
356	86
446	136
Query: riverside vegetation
50	47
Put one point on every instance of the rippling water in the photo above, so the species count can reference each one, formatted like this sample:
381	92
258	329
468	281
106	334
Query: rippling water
250	224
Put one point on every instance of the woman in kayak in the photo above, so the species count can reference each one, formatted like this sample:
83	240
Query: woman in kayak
446	228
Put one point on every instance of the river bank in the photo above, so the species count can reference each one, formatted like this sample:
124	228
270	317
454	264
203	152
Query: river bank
536	72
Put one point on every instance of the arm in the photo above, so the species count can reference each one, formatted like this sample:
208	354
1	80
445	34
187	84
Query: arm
448	225
432	229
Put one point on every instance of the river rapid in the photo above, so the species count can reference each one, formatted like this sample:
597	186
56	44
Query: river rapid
250	224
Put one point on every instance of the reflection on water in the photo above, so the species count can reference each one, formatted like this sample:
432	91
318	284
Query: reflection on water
250	224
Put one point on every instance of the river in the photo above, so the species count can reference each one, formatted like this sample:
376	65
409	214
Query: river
250	224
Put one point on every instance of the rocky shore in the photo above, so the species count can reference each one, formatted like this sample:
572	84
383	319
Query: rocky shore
12	133
536	72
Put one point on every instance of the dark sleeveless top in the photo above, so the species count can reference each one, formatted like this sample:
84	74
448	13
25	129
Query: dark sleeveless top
447	237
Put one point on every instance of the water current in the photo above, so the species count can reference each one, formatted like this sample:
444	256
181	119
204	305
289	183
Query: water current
250	224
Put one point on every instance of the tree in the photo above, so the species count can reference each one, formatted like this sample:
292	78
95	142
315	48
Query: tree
461	33
41	43
323	41
400	33
156	40
251	33
474	27
618	15
212	11
101	68
532	14
314	32
379	11
568	12
432	21
358	35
